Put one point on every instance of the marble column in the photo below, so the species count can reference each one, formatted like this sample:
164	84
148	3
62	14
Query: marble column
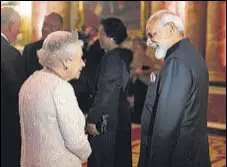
75	15
63	8
216	40
195	24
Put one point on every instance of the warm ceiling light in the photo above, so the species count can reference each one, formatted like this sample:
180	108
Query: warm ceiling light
24	8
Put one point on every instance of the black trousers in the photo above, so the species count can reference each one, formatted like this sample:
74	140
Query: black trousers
102	150
111	149
10	153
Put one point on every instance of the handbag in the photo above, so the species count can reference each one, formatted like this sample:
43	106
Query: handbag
102	123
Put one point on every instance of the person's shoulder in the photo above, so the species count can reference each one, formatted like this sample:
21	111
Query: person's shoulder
119	51
126	50
8	49
4	44
186	54
112	54
63	90
37	44
126	55
96	46
15	51
63	87
176	64
4	41
10	55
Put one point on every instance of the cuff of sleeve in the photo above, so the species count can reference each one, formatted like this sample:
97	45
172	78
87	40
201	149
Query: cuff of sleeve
92	119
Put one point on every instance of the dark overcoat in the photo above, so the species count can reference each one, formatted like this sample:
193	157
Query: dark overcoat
174	118
31	60
112	148
12	77
84	86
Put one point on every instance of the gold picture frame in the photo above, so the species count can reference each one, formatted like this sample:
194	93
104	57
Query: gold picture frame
143	13
215	76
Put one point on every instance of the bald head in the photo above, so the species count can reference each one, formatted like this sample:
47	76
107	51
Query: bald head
52	22
10	23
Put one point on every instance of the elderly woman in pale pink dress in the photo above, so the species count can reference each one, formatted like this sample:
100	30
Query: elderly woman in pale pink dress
52	124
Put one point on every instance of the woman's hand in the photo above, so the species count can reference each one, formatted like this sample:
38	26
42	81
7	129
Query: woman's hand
92	130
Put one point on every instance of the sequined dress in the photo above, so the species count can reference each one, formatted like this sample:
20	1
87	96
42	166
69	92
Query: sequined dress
52	124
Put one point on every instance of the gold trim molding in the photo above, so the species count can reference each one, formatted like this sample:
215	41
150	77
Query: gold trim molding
217	90
216	125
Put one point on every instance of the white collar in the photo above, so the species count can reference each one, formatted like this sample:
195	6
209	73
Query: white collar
4	36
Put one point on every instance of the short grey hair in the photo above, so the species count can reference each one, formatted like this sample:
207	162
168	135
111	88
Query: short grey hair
58	47
8	14
166	16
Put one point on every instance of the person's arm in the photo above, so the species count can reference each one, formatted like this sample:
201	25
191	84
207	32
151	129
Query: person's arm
12	72
110	75
175	84
69	118
27	54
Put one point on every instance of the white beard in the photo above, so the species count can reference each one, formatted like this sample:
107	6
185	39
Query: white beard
161	51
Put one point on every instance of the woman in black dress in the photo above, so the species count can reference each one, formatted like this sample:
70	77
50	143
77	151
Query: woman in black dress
108	120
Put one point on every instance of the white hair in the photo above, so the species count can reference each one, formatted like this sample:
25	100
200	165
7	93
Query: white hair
165	17
8	14
58	47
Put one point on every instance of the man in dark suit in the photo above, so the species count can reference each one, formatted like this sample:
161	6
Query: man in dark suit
12	77
86	83
52	22
174	118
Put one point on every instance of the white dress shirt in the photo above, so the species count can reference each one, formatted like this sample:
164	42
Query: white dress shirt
4	36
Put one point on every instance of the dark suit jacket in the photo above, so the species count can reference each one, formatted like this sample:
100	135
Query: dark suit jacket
174	118
30	57
84	86
12	77
138	89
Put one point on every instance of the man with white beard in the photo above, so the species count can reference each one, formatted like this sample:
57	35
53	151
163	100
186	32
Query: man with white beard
173	122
